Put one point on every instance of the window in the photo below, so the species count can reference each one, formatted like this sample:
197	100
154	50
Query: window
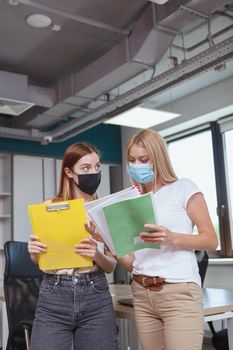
206	157
228	138
192	157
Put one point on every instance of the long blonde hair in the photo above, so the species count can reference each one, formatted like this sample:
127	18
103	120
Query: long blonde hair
156	148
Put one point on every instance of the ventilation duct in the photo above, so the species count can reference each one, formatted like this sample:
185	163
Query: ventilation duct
13	94
142	49
13	107
133	55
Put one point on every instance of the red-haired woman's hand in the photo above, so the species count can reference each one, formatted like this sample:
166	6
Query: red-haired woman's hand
87	247
34	246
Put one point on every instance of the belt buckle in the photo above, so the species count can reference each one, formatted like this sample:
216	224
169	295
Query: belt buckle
143	281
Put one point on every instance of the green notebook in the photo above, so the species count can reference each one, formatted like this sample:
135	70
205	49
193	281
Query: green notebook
126	219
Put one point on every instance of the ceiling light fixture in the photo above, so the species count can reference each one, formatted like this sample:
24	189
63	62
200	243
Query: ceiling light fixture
159	2
38	20
142	118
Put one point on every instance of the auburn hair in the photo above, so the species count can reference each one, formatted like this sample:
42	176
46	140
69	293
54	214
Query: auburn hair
71	156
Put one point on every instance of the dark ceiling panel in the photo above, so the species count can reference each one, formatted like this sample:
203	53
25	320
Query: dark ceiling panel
45	55
71	72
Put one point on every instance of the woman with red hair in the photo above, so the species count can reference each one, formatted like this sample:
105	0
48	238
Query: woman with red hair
75	305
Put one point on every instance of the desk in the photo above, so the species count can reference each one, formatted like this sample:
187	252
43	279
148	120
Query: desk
4	325
218	305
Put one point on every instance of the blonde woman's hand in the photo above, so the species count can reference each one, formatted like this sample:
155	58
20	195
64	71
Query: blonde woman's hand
88	247
157	234
35	247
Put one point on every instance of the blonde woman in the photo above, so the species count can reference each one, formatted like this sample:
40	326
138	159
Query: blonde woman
166	283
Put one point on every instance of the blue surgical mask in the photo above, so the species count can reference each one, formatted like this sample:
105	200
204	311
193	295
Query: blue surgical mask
141	173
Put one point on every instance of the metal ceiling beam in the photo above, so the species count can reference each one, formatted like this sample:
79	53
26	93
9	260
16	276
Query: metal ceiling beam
204	41
194	12
188	69
23	134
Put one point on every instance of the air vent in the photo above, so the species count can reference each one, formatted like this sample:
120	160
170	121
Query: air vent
13	107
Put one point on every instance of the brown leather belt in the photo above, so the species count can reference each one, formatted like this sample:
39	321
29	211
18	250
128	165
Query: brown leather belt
153	283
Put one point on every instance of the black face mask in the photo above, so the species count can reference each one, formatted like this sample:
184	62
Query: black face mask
88	183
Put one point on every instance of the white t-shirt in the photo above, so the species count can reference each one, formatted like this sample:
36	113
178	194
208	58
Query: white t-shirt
170	262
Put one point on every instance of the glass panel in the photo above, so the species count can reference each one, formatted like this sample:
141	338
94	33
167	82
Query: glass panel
192	157
229	174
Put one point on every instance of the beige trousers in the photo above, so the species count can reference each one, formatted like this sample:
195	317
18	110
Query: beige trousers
171	319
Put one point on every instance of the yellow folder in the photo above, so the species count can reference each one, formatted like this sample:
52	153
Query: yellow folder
60	226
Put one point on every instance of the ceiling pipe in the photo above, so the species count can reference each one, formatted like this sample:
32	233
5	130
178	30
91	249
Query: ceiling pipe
23	134
194	12
102	76
154	86
204	41
175	76
188	69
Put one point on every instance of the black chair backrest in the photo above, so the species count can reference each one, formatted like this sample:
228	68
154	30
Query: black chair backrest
202	261
22	280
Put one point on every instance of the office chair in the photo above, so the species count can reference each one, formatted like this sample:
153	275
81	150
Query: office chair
220	338
202	262
22	280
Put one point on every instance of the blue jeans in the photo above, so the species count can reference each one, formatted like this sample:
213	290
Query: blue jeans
74	310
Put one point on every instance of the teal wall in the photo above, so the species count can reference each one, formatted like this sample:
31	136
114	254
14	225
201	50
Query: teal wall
107	138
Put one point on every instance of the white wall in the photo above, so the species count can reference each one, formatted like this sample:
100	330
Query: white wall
104	187
27	189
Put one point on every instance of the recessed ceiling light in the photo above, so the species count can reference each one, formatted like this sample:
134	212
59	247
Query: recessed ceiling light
159	2
38	20
141	118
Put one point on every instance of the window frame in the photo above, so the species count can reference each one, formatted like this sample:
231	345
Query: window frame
217	134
